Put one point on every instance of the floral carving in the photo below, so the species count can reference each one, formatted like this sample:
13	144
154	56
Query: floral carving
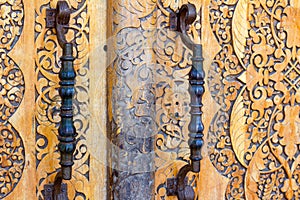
12	87
12	158
257	127
11	23
254	78
291	25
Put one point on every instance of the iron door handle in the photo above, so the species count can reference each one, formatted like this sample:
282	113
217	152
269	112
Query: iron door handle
180	22
59	19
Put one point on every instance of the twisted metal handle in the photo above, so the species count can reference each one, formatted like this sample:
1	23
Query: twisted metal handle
196	127
181	22
196	90
184	191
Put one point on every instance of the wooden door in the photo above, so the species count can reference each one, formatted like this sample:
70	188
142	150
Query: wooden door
29	99
132	103
251	103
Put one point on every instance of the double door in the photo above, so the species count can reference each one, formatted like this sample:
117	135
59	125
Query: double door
131	104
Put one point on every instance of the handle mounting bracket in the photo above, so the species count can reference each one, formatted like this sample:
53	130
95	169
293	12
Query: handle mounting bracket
57	190
50	18
59	19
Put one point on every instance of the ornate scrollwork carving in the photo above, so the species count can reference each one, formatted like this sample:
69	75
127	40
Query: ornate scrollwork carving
11	22
12	158
145	44
12	88
133	107
254	79
258	90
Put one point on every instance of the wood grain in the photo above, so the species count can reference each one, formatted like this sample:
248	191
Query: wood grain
89	180
251	103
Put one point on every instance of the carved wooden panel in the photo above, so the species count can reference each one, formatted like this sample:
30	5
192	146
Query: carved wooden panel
12	153
132	97
254	137
148	90
251	107
172	98
29	100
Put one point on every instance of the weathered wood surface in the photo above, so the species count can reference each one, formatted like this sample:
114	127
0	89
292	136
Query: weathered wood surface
251	107
251	103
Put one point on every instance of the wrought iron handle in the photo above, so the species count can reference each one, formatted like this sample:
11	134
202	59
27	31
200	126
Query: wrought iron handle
180	22
66	132
59	19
